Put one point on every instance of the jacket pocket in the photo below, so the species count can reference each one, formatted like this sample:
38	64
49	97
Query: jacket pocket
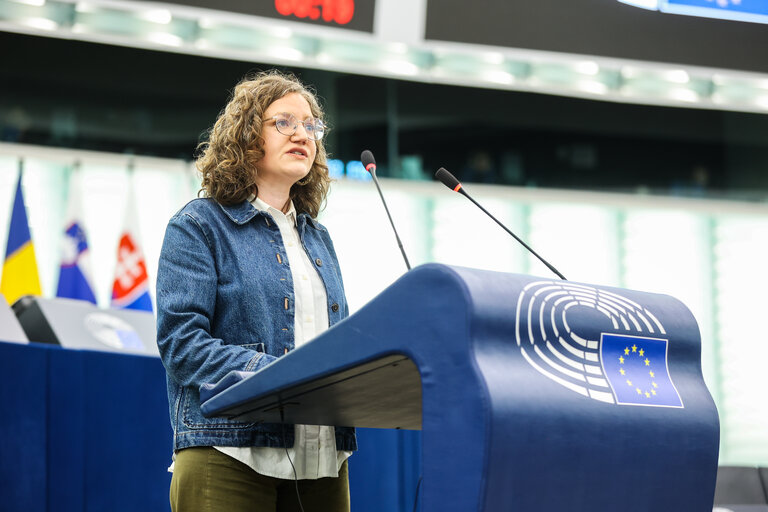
192	417
258	347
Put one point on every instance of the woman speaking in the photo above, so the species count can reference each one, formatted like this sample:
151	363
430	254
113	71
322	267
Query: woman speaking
246	274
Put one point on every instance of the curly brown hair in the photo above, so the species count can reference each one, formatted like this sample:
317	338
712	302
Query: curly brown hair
227	160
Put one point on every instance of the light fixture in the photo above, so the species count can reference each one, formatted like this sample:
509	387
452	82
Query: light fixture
281	32
207	23
592	86
682	94
160	16
165	39
762	102
39	23
587	67
35	3
677	76
286	53
493	58
400	67
397	48
498	77
85	8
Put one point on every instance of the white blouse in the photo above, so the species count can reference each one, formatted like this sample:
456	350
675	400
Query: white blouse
314	451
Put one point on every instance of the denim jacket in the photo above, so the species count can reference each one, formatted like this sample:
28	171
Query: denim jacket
225	302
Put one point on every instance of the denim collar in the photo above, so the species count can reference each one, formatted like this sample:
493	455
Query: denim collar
243	212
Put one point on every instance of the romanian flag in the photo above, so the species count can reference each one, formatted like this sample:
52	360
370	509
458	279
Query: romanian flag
20	267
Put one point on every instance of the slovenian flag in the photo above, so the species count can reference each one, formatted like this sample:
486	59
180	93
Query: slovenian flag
75	277
20	275
130	289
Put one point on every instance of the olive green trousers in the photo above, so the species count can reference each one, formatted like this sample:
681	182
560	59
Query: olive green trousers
206	480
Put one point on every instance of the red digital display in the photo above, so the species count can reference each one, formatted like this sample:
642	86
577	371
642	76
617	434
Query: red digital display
330	11
346	14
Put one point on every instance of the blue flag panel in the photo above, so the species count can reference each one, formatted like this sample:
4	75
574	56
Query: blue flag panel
18	234
637	370
738	6
73	281
755	11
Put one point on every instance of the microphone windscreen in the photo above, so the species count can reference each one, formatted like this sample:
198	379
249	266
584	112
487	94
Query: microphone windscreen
447	179
367	158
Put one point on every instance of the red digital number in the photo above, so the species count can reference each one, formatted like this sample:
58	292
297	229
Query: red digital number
306	9
339	11
284	7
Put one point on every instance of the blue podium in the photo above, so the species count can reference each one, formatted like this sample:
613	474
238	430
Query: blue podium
533	394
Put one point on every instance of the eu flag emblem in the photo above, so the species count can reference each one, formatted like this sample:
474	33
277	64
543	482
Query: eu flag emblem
637	370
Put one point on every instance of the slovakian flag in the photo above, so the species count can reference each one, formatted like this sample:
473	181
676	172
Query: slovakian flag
20	275
75	277
130	289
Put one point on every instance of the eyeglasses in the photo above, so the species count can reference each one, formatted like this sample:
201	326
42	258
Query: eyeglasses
287	125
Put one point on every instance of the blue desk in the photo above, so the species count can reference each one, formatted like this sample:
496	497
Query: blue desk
89	431
82	430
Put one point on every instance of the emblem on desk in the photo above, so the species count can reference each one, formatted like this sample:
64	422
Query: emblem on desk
113	331
623	361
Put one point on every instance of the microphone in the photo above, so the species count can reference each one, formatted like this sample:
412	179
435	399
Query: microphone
450	181
370	165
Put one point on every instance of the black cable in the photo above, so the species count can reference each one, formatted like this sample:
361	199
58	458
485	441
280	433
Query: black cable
285	445
416	498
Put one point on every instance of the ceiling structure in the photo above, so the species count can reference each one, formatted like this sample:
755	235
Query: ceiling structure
594	49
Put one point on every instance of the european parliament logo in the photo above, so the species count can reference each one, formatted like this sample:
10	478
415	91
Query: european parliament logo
637	370
622	359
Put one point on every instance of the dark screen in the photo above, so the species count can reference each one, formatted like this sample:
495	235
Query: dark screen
603	28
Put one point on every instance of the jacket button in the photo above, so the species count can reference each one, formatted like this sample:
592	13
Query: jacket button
319	262
335	307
